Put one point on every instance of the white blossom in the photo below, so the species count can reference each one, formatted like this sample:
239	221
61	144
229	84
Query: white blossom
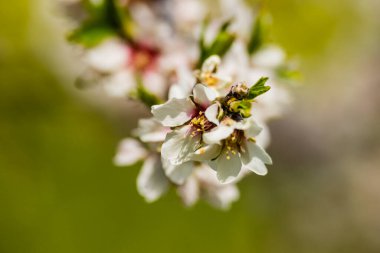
239	149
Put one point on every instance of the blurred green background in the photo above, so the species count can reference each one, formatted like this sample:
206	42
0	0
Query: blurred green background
59	191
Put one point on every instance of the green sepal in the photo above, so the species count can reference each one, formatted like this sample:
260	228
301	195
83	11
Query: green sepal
145	96
258	88
241	106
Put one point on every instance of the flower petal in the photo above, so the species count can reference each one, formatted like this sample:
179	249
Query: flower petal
173	113
252	130
176	91
219	133
150	130
179	145
211	64
203	95
178	173
189	191
228	169
129	152
263	139
151	181
110	56
254	157
222	197
257	166
185	84
119	84
207	152
259	152
269	57
206	175
212	112
155	83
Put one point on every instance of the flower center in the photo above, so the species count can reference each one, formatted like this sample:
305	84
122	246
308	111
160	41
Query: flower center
209	79
200	124
144	57
232	143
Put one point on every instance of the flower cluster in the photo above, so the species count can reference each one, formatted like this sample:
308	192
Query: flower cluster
212	62
201	140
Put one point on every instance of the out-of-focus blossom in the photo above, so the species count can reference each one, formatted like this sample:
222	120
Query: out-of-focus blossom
130	151
203	184
151	181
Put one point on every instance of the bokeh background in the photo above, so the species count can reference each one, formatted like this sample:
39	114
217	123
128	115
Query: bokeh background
59	191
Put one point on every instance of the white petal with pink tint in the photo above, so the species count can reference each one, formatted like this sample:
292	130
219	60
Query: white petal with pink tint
151	181
178	173
218	134
190	191
179	146
150	130
212	112
203	95
110	56
175	112
129	152
120	84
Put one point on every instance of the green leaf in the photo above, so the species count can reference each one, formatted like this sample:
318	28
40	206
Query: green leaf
119	18
258	88
202	43
90	35
288	73
259	33
219	46
225	25
94	8
105	19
